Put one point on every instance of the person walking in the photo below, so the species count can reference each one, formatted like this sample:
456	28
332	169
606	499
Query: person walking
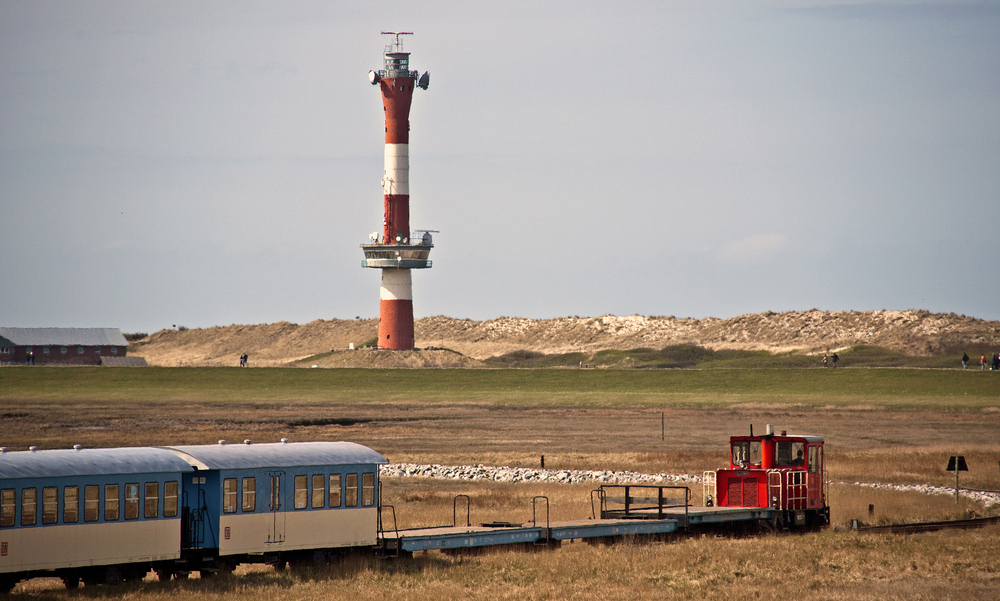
982	362
965	360
824	361
996	362
835	359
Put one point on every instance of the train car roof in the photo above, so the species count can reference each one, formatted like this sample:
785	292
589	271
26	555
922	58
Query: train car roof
807	438
279	454
57	463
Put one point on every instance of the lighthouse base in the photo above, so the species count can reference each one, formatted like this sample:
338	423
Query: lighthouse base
395	325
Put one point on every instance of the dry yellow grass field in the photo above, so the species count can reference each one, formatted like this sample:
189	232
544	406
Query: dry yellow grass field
866	441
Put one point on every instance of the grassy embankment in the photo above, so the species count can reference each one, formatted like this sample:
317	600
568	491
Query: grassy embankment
896	388
693	356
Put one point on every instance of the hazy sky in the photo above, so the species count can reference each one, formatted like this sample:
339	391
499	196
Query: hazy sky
209	163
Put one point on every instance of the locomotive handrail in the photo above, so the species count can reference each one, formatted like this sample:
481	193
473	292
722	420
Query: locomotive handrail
468	510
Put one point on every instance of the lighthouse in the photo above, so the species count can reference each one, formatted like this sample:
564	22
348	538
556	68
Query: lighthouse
397	250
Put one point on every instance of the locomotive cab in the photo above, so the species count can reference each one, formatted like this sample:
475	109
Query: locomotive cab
783	472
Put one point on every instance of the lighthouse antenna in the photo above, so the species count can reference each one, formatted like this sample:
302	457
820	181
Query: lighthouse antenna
397	44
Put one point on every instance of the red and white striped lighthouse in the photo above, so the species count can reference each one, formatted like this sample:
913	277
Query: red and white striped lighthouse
397	251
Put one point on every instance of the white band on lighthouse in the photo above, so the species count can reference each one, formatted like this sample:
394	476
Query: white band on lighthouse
397	169
397	284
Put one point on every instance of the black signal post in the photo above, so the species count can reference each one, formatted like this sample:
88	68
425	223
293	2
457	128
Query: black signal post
957	464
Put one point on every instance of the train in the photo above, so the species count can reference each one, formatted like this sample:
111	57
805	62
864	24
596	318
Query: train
104	516
783	472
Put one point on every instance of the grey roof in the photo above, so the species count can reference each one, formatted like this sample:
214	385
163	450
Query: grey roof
62	337
292	454
88	462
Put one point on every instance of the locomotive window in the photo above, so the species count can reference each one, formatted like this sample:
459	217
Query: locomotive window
788	453
71	504
132	501
8	507
351	496
170	499
301	491
111	502
368	489
249	494
229	495
50	504
91	503
334	490
746	452
319	491
813	464
29	506
151	501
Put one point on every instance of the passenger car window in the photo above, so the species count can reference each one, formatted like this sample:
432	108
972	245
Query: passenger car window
151	500
132	501
71	504
301	491
8	507
229	495
351	494
249	494
111	502
368	489
91	503
170	499
318	491
334	490
50	504
29	506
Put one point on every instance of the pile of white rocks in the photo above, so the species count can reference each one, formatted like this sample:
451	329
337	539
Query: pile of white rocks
986	498
523	474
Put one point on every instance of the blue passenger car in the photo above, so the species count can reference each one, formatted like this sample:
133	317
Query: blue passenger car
97	515
276	502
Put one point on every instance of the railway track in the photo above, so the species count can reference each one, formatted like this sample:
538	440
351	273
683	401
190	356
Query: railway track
931	526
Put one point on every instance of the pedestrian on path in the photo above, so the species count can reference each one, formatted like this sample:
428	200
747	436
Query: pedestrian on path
965	360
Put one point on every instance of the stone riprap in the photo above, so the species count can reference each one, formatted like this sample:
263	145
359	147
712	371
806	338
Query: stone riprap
986	498
523	474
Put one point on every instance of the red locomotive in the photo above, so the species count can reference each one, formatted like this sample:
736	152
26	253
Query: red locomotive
783	472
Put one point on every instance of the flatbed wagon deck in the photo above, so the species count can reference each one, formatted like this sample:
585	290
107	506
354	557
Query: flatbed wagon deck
469	537
638	519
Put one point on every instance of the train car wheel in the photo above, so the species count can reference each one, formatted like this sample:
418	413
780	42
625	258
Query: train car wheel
162	574
7	584
70	581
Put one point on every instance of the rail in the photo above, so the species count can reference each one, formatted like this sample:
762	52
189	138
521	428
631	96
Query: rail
927	526
468	510
382	531
601	499
546	532
634	505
